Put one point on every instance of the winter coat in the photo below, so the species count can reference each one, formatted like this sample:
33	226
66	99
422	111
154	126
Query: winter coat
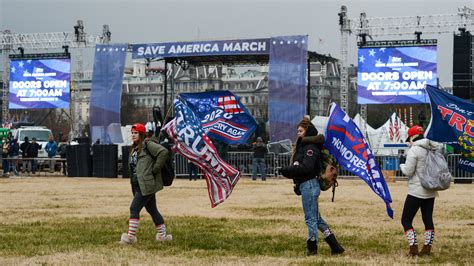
51	148
305	163
24	148
149	169
14	149
414	165
32	151
259	150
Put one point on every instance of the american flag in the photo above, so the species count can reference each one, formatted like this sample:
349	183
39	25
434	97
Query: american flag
230	105
391	128
191	141
397	129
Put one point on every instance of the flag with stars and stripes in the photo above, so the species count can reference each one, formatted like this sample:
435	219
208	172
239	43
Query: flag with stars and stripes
190	140
222	115
347	144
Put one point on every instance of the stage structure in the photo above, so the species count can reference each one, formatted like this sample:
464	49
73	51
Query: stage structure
365	27
288	59
10	43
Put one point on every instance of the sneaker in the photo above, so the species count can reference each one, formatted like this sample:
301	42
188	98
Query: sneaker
160	238
128	240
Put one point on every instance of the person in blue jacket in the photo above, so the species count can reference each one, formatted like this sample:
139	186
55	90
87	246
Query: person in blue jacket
51	148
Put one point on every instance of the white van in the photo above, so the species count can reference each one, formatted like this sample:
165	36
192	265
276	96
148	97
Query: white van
40	133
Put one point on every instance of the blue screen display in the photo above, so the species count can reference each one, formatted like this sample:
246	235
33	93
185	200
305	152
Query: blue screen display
395	75
36	84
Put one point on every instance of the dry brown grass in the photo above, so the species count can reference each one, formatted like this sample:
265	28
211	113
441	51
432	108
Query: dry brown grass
357	214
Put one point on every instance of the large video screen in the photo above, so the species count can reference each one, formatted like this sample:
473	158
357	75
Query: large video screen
395	75
39	83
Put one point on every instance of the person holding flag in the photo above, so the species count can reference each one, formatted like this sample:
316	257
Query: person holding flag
146	158
304	170
418	197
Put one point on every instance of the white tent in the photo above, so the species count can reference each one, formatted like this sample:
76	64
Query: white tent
392	133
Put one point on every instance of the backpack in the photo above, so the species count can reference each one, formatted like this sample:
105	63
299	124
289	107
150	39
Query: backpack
435	175
329	172
167	172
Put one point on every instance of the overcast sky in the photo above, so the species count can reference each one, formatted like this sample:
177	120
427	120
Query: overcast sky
141	21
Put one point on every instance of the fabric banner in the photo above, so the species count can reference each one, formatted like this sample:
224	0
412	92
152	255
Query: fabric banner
200	48
222	115
190	140
287	79
106	93
452	122
347	144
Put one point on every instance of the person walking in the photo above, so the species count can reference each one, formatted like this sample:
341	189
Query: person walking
259	151
417	196
304	170
146	158
51	148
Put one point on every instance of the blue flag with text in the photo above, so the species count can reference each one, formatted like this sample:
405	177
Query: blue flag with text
452	121
222	115
346	143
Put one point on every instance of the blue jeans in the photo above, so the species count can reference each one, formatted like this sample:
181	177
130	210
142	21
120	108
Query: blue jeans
5	165
310	191
260	163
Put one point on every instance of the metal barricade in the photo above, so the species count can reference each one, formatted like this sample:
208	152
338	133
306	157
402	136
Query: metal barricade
457	173
241	161
389	165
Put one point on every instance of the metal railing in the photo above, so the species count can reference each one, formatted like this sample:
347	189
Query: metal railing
390	165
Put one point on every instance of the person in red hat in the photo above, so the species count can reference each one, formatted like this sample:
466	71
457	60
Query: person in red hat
146	158
418	197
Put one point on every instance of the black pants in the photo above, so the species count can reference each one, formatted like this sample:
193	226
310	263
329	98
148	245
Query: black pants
149	202
412	204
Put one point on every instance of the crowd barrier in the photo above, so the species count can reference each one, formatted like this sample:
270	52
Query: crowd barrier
390	165
42	166
242	161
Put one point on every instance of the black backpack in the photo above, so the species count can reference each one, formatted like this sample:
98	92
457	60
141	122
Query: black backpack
167	172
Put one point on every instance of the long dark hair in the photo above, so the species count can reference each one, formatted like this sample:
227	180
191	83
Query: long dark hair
139	145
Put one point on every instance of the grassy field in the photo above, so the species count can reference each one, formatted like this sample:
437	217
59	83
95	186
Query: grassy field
80	220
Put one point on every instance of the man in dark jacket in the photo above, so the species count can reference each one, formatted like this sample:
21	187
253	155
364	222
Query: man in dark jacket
32	152
25	161
304	170
258	161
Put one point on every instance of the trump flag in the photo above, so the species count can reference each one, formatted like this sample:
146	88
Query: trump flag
452	121
346	143
190	140
222	115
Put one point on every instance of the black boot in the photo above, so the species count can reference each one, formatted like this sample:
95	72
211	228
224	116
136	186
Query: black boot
312	247
335	247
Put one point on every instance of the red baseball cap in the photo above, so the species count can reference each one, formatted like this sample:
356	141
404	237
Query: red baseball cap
414	130
139	127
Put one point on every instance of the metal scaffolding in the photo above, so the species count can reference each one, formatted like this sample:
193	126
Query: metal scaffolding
45	41
365	27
